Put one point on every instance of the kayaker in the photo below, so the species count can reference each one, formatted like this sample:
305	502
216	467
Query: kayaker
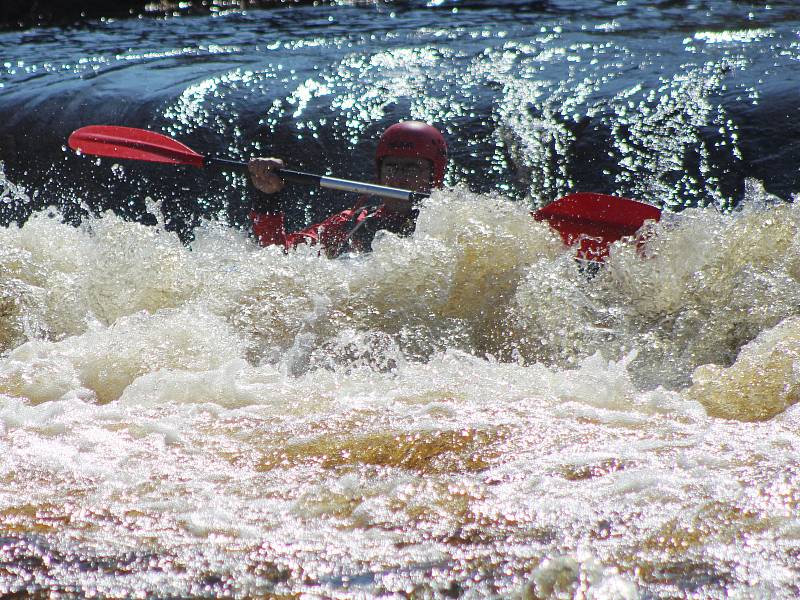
411	155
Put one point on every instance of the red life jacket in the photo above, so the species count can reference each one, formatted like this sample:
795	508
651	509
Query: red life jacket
332	233
336	233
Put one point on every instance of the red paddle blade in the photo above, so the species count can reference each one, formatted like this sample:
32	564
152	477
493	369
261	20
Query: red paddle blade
594	221
133	144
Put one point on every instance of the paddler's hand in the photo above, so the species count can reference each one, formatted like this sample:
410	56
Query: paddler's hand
263	176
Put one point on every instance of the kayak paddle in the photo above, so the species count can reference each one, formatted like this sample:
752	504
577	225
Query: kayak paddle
141	144
593	221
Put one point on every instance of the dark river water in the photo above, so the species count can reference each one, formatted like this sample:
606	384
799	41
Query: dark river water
460	413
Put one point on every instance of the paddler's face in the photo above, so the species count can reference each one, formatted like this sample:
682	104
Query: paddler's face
406	173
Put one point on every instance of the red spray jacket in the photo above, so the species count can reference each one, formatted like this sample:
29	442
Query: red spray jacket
351	229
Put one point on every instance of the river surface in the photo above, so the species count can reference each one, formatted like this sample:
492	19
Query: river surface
460	413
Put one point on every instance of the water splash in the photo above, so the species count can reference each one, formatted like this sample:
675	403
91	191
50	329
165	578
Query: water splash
237	420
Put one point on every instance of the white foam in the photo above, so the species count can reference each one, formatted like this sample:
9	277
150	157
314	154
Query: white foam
466	384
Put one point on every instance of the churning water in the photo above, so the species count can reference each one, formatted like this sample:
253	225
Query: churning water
459	413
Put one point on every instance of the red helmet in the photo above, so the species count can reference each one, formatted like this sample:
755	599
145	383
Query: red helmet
415	139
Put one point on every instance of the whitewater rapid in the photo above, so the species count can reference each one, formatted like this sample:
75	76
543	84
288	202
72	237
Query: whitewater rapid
461	412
